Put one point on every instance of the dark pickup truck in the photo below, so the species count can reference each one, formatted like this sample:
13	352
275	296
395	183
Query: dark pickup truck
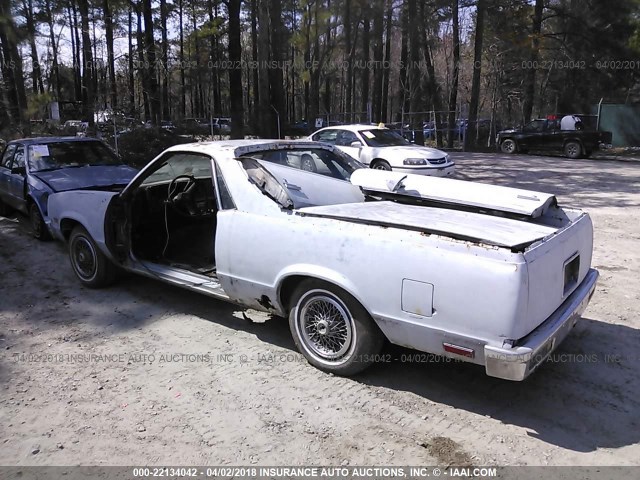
547	135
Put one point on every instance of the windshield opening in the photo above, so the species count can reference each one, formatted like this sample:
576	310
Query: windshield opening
56	155
378	137
301	176
266	182
329	163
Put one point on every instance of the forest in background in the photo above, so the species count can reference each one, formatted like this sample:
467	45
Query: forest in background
266	63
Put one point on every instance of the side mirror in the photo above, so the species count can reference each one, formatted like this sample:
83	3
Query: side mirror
356	144
19	171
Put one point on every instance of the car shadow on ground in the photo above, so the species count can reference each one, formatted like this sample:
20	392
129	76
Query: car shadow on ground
587	400
585	397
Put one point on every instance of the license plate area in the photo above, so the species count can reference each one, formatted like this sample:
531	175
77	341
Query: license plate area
571	272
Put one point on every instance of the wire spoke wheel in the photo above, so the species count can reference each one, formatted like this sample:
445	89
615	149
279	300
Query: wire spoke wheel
333	331
326	326
83	258
91	266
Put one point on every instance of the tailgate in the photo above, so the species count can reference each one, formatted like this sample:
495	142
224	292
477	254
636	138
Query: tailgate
556	266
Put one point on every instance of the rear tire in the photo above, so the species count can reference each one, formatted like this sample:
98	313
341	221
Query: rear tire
332	330
381	165
38	227
572	150
91	266
509	146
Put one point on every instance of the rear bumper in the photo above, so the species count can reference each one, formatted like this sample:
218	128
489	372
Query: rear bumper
519	362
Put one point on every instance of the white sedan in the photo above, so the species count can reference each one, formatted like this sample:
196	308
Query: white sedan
384	149
490	275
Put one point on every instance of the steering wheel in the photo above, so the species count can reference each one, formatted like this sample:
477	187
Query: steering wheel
184	202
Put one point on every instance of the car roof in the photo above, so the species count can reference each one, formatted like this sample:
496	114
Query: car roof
41	140
354	128
235	148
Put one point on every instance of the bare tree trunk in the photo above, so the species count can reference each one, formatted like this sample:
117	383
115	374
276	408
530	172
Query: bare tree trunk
348	47
378	52
88	67
197	83
132	95
366	40
387	59
75	47
275	73
470	136
12	68
327	77
264	114
314	84
254	73
453	94
164	48
235	74
183	88
415	100
36	71
217	95
530	80
292	70
144	84
5	116
55	71
108	27
150	70
403	90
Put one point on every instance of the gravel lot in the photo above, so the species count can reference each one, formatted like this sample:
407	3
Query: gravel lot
144	373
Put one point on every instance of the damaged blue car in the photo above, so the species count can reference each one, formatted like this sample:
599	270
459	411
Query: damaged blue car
31	169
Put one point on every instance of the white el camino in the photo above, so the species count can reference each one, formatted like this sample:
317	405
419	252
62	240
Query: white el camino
490	275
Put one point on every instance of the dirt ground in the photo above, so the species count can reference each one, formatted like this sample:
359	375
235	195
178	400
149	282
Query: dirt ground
144	373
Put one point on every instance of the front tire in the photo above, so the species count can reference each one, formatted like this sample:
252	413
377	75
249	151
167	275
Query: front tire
573	150
509	146
38	227
332	330
381	165
91	266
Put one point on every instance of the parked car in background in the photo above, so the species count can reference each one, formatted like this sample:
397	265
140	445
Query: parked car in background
223	126
384	149
75	127
32	169
491	275
194	125
299	128
167	125
547	135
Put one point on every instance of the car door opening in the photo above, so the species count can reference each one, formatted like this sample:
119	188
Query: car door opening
173	215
